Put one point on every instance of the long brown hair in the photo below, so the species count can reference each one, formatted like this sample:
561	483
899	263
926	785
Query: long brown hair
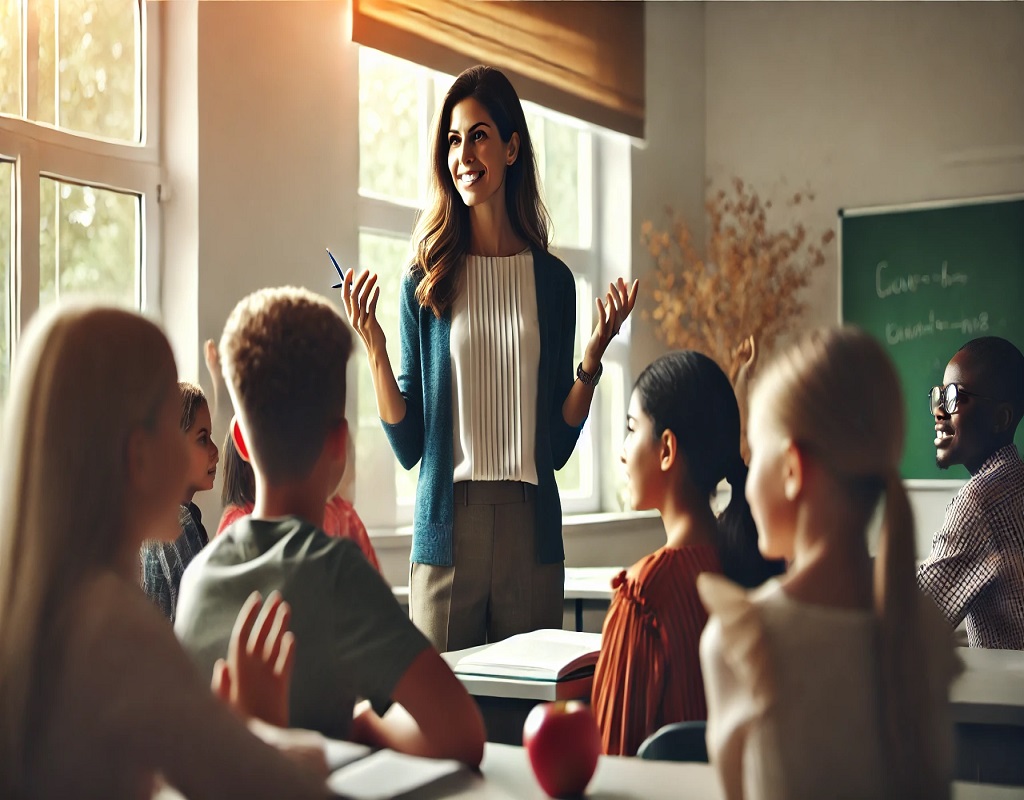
239	487
85	378
836	392
442	235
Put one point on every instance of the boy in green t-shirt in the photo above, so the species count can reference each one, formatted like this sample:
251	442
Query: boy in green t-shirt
284	353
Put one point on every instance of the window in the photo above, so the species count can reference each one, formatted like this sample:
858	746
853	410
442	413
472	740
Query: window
397	100
78	167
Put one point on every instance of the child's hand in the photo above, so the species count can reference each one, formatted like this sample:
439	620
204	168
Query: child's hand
743	357
212	359
611	314
261	654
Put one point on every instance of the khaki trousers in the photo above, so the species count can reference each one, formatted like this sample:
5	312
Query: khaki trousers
495	588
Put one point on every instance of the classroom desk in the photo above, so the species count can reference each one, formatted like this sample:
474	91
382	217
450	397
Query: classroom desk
991	688
585	587
505	702
987	707
505	774
589	586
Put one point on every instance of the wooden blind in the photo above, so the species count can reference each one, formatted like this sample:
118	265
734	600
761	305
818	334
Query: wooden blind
585	59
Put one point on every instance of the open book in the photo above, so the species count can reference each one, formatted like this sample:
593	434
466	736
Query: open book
544	655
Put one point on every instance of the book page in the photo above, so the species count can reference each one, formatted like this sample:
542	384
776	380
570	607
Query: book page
538	655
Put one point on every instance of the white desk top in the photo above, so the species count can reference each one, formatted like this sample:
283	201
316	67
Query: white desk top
589	583
506	775
991	688
581	583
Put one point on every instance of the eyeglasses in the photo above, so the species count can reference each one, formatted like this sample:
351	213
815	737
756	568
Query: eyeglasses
948	397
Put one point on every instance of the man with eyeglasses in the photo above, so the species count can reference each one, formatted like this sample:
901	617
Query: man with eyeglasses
975	570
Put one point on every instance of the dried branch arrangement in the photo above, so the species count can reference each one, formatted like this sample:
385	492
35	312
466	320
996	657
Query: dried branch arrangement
737	299
745	292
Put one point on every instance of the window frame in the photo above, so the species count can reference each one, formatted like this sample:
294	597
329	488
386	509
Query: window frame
394	218
42	150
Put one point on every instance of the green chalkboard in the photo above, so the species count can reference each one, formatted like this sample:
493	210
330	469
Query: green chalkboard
925	279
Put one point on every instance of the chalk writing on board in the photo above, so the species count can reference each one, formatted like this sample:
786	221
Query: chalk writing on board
897	334
885	286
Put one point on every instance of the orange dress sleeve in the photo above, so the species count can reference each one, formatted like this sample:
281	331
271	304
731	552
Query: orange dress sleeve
648	673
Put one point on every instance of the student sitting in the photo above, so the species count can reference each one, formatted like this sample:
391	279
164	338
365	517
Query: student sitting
683	439
164	562
827	682
284	353
976	568
96	696
238	495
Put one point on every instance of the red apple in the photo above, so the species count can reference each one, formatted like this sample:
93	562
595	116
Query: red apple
562	742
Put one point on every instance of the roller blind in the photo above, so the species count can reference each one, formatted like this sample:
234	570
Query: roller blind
585	59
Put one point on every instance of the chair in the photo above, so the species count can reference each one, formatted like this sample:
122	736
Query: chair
679	741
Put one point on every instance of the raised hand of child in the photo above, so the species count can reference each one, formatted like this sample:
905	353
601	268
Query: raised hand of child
261	654
212	358
612	312
743	357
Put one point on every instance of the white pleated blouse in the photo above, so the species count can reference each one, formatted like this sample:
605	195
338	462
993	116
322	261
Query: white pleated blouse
495	356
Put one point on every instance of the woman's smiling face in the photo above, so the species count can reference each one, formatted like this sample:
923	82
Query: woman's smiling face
477	157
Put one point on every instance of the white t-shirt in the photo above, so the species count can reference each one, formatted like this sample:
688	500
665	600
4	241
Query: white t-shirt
794	697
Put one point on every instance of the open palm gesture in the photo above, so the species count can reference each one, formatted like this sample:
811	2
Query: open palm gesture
612	312
256	677
360	296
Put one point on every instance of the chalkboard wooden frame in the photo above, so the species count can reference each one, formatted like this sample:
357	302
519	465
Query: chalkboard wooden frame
924	278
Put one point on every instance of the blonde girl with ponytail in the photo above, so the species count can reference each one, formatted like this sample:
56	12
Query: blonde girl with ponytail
833	680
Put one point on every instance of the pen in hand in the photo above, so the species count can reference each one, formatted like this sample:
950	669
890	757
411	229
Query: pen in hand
337	267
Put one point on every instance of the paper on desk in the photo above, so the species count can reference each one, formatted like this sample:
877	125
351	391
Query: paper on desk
338	753
387	774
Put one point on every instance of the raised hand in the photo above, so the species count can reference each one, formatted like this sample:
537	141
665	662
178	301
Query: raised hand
261	654
212	358
360	295
743	357
612	312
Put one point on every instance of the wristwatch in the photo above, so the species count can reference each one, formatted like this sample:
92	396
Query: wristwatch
586	378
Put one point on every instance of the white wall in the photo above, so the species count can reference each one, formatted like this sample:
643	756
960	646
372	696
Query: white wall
669	164
866	104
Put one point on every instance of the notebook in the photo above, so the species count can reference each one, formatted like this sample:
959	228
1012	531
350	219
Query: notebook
543	655
387	774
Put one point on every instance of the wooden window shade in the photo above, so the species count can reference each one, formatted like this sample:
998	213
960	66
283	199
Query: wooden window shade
584	59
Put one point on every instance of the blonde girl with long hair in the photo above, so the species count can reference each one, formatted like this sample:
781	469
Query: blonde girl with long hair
96	696
833	680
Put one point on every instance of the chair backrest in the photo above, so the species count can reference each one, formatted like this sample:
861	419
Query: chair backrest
679	741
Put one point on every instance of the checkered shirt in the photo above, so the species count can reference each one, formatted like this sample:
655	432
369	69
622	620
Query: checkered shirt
976	568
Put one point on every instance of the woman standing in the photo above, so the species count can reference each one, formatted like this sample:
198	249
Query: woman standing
486	398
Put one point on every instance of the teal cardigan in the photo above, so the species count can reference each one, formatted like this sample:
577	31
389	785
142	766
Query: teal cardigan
425	432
